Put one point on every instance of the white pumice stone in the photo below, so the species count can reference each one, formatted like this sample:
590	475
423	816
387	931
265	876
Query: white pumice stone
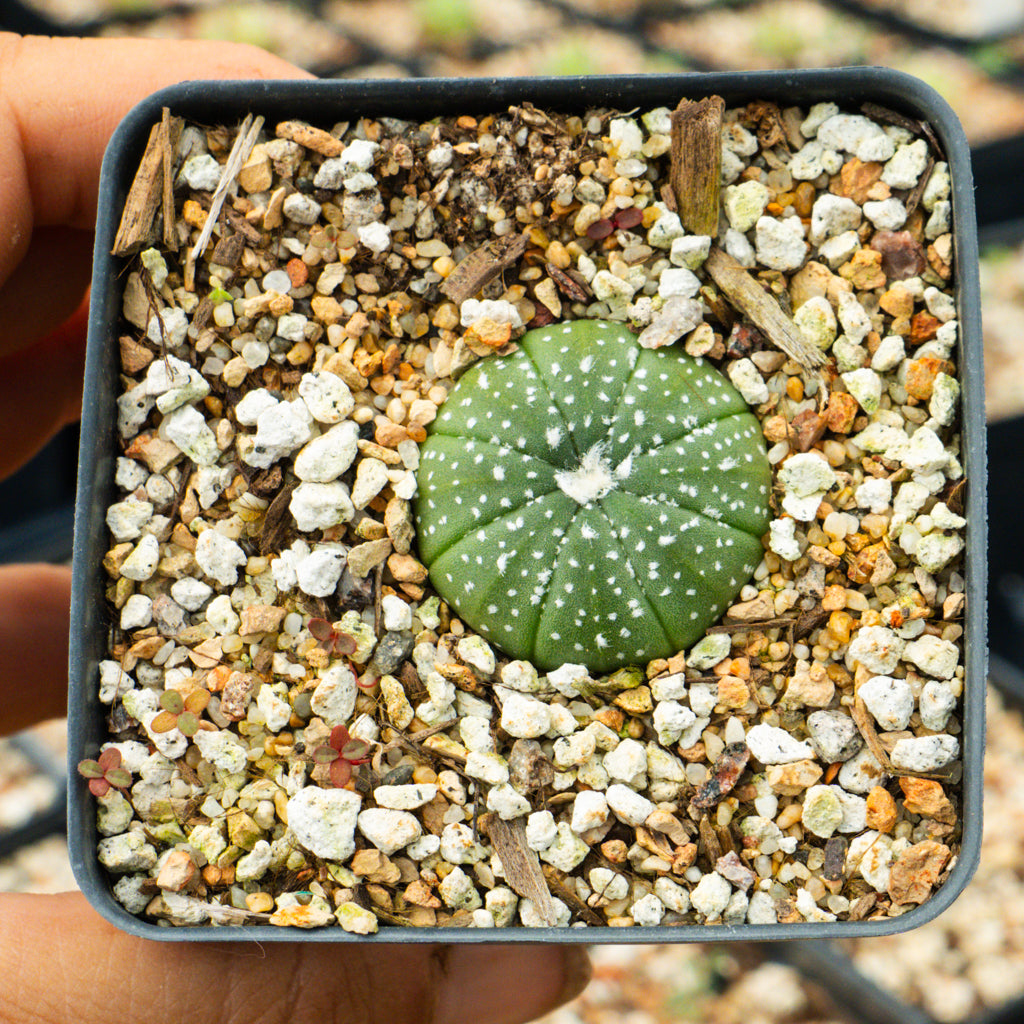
877	648
925	753
817	322
371	479
201	172
711	895
670	719
567	850
889	354
690	251
806	163
458	845
886	214
627	761
780	242
126	852
608	884
327	457
222	749
890	701
589	810
219	557
678	282
168	328
805	478
747	380
458	892
567	679
866	386
521	676
376	237
669	687
280	430
334	697
834	735
253	866
861	772
130	474
319	506
816	117
319	572
276	712
855	811
771	745
324	821
475	731
936	703
837	249
853	317
301	208
186	428
739	247
507	802
782	538
870	855
531	917
574	750
647	911
906	165
665	230
856	134
541	830
389	830
831	216
524	717
397	614
114	681
487	767
142	561
761	909
253	404
477	653
326	396
709	651
628	805
933	656
137	612
745	203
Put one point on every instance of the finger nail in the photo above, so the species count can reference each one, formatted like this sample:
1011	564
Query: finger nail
506	984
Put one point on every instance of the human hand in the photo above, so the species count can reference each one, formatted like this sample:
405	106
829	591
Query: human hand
59	101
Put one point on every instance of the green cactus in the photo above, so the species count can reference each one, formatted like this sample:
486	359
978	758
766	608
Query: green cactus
586	500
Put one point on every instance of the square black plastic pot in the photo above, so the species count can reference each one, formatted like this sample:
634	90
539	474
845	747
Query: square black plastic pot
327	102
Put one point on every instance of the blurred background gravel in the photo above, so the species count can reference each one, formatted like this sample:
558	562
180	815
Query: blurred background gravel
969	964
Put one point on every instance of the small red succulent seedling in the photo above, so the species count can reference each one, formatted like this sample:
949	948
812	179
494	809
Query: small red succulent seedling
181	713
334	641
342	753
105	773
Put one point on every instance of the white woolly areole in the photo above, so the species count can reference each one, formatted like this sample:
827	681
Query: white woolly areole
594	477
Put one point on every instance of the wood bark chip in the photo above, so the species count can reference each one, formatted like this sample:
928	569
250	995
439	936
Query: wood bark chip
862	719
743	291
695	170
567	285
276	522
147	190
880	113
560	888
522	865
482	266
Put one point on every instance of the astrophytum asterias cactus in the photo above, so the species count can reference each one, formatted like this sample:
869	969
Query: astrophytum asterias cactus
585	500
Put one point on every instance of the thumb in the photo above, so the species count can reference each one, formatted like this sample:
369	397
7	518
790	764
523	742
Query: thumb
74	968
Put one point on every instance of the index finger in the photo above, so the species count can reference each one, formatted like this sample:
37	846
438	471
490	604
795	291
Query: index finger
60	99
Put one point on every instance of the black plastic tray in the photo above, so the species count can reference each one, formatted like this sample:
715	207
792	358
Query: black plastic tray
327	102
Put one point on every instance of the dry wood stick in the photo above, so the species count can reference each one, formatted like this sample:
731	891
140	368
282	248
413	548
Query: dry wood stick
244	141
696	162
743	291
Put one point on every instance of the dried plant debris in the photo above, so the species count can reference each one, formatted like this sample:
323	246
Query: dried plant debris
353	753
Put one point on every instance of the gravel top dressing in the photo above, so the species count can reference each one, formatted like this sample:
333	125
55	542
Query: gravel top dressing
531	520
